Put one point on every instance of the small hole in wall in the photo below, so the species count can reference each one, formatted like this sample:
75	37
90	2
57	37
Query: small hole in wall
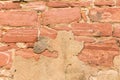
12	76
97	64
75	55
15	70
48	25
69	64
117	42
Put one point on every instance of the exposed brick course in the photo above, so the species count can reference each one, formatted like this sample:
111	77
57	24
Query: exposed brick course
77	40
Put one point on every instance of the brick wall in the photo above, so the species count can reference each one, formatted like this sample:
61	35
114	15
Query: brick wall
82	40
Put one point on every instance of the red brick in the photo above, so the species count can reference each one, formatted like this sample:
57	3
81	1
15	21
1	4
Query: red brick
20	35
48	32
118	2
27	53
13	46
4	48
0	40
50	54
80	3
84	39
1	34
104	3
99	54
95	29
60	4
9	63
39	5
105	14
61	15
18	18
1	5
116	32
57	4
62	28
11	5
30	45
5	59
108	41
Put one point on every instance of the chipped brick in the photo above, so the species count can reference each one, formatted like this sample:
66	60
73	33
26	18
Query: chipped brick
99	54
18	18
20	35
105	14
104	3
95	29
61	15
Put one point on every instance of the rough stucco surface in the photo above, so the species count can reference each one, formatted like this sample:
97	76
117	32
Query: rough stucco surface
65	67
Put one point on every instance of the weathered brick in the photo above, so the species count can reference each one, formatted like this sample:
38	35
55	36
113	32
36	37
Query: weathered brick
4	48
105	14
1	34
28	53
1	5
99	54
48	32
61	15
108	40
116	32
57	4
39	5
11	5
18	18
104	2
27	34
20	35
62	28
50	54
5	59
84	39
13	46
95	29
63	4
118	2
84	3
29	45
